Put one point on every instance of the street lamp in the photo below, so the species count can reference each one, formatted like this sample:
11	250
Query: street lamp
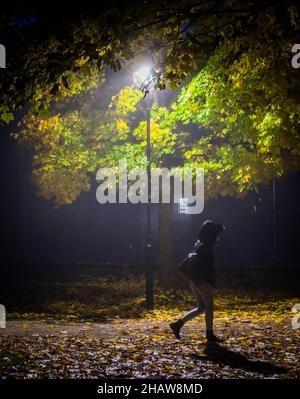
145	78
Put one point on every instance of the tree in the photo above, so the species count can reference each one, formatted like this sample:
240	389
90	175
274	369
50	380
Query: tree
232	118
247	101
50	50
68	149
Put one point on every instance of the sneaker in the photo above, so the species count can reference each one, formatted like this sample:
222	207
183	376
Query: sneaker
175	327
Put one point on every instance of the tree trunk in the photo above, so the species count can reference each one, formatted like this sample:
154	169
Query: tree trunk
166	256
168	277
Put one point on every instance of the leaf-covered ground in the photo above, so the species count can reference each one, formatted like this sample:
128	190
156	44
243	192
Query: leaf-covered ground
98	328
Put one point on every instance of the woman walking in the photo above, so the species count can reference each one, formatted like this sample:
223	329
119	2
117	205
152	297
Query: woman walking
202	279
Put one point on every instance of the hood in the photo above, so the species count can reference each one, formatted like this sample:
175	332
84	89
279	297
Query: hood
209	231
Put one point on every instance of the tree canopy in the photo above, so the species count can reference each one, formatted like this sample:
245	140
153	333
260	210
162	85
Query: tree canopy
52	46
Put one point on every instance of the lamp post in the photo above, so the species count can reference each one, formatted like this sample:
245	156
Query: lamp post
274	223
144	79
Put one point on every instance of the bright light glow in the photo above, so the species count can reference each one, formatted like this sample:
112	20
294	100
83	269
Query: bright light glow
142	75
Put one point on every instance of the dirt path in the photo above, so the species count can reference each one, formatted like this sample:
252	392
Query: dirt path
229	327
36	349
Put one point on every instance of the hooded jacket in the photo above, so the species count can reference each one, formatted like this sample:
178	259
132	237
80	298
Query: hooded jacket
204	263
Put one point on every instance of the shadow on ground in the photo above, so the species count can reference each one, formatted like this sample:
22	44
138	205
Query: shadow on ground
221	355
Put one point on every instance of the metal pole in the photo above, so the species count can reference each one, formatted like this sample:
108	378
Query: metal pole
82	249
149	274
24	215
274	225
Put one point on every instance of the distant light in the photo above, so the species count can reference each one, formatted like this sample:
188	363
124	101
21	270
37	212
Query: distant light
183	205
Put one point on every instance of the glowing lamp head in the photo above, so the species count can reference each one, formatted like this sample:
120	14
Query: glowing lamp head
142	76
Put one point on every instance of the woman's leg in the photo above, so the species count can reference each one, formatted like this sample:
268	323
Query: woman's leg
196	311
205	292
176	326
